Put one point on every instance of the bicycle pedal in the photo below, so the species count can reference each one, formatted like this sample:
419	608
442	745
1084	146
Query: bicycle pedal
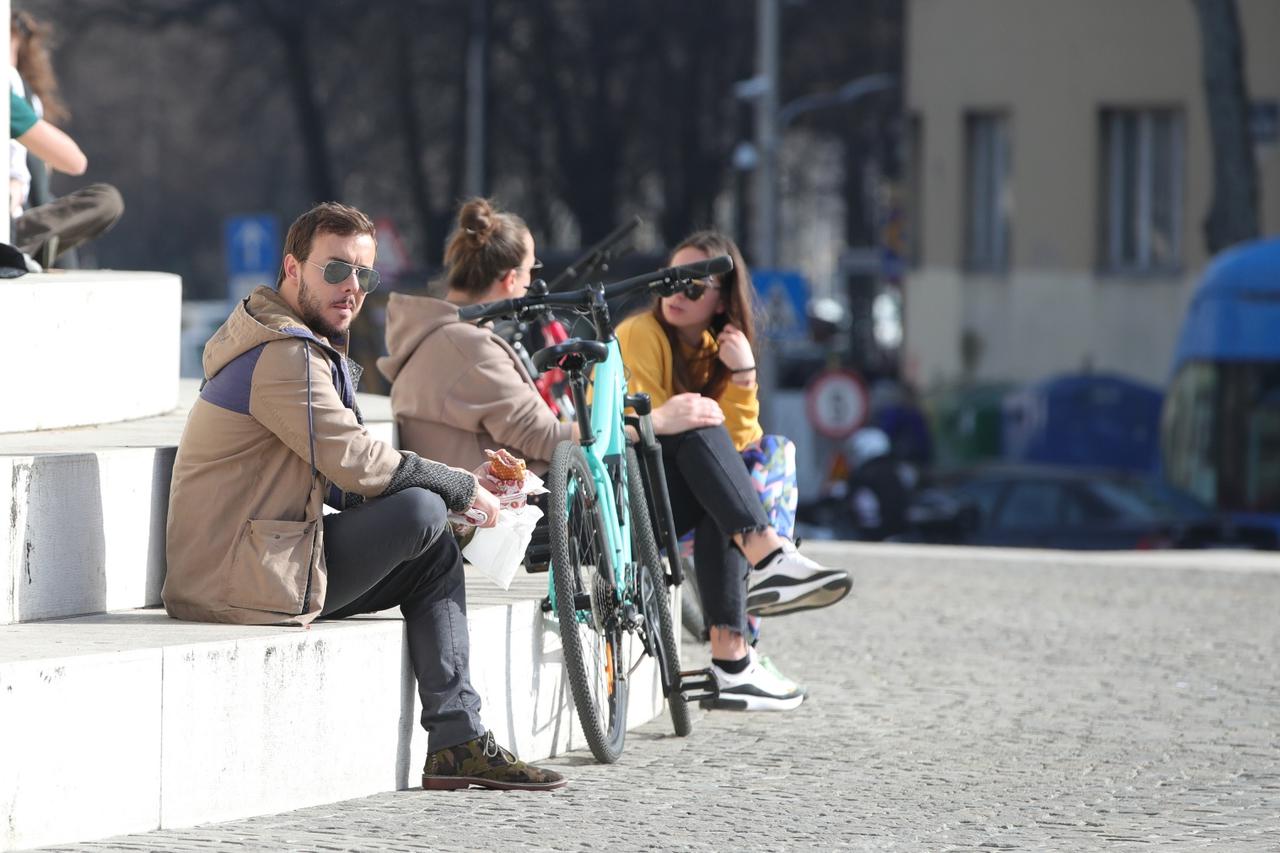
702	680
546	604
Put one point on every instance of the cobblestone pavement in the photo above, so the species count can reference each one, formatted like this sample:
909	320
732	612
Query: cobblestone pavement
955	705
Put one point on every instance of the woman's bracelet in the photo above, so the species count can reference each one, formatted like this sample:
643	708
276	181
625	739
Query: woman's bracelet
742	369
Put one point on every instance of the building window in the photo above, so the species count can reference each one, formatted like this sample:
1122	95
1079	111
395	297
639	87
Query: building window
1141	190
988	199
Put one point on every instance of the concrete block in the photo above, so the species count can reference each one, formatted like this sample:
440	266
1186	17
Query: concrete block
83	512
269	724
79	747
85	532
124	722
142	313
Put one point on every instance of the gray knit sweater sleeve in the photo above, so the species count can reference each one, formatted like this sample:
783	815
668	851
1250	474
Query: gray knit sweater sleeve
456	487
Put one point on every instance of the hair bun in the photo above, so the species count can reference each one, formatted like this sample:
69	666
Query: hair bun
477	220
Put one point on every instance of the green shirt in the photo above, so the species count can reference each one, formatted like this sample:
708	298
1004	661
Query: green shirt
21	117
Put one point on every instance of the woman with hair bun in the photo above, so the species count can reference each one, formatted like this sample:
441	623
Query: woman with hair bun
459	389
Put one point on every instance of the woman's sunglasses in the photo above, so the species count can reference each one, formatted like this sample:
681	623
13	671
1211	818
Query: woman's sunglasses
694	289
336	272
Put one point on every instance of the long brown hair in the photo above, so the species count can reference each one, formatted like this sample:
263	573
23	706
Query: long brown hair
35	66
739	309
487	244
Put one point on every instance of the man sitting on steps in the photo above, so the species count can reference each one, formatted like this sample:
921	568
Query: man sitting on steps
274	435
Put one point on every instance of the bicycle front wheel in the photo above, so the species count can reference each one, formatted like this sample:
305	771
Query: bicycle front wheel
586	604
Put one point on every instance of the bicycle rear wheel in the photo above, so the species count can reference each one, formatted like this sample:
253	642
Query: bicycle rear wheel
586	604
653	600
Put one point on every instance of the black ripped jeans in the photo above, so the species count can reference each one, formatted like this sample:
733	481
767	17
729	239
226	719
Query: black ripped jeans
711	492
397	550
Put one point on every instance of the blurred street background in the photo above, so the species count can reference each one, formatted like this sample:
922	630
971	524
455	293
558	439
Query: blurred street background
1016	259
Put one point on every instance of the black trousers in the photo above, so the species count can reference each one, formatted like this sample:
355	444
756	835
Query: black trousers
711	493
397	550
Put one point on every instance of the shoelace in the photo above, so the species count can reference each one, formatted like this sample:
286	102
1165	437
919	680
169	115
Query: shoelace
492	750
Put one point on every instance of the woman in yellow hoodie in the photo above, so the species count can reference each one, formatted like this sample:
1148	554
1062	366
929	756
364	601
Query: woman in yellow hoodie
692	355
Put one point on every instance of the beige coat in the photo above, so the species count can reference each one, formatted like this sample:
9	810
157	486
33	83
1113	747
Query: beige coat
459	389
245	539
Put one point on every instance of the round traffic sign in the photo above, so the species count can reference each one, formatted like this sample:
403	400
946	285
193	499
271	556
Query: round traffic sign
836	402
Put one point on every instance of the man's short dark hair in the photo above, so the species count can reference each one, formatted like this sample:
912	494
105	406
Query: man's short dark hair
328	217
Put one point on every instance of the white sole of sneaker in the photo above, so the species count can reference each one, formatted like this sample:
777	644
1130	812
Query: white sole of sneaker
821	594
736	702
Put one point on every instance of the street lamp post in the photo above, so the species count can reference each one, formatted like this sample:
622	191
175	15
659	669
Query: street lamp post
771	122
766	183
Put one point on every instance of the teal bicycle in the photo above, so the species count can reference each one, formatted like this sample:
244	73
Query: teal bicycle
608	582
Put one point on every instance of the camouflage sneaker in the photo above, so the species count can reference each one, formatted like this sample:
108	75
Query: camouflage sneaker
483	763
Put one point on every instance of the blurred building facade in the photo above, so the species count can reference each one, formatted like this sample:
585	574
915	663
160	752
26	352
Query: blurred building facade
1060	170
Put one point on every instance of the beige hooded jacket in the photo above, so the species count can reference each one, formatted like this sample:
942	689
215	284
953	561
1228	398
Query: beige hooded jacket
459	389
268	437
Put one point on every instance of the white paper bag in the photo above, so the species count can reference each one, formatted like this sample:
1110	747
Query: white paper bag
498	551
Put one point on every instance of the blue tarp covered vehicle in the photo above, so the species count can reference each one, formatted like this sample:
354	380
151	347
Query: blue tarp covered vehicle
1220	431
1096	420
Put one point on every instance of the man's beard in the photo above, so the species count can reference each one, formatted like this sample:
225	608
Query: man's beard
310	311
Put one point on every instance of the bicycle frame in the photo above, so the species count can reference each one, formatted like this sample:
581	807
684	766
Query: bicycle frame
603	439
601	422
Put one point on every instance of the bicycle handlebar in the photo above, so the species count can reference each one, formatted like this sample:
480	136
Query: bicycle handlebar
671	275
577	298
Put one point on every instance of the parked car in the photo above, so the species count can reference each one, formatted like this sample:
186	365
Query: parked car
933	516
1053	507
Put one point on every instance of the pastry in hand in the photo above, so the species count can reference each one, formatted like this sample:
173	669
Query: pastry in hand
505	467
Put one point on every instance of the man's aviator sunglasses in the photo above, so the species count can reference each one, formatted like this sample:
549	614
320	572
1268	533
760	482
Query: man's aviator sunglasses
336	272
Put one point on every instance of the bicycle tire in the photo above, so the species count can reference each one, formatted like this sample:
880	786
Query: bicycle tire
691	606
590	630
653	599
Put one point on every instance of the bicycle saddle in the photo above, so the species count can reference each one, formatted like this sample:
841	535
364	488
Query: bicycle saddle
587	351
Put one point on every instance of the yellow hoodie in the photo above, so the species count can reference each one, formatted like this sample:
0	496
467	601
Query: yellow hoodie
646	352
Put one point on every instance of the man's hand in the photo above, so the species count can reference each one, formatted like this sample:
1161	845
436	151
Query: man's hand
684	412
487	502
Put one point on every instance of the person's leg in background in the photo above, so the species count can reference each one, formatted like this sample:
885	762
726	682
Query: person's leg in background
46	231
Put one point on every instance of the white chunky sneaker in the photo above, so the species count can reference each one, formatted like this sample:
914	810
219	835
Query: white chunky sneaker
769	666
753	689
791	582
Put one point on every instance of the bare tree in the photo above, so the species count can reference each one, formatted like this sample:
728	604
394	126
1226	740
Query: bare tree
1233	215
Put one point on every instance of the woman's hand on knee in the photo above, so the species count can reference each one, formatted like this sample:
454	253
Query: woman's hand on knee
684	412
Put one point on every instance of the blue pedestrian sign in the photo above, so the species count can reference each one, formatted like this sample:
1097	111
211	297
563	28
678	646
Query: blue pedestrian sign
783	302
253	244
253	252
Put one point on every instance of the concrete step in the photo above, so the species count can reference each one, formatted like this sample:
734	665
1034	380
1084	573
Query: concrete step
90	347
127	722
84	510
